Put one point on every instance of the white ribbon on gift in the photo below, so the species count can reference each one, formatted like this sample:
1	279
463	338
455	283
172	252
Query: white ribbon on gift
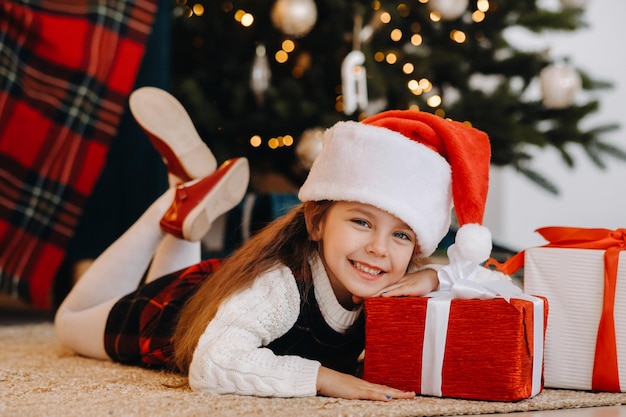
462	279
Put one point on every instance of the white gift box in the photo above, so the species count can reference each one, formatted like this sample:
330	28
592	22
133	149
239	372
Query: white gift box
573	282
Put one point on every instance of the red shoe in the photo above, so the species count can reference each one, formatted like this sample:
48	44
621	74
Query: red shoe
198	203
172	133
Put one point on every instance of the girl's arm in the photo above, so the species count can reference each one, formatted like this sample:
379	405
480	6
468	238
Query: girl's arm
335	384
414	283
230	357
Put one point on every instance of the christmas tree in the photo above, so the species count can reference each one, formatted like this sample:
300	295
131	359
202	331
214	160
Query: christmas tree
262	78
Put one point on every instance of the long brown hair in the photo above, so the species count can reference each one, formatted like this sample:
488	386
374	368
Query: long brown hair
286	240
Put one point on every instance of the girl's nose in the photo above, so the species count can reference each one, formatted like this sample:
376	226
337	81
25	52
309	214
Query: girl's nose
377	245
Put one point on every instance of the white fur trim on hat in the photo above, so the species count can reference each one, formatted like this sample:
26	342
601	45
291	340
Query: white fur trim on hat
381	167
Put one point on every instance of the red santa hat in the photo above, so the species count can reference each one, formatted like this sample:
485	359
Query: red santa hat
414	165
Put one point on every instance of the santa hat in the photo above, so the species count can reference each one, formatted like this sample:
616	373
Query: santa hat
414	165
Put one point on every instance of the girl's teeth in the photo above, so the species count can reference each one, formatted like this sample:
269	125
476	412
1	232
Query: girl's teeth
366	269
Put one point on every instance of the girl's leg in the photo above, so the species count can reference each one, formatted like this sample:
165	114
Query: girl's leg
210	197
80	320
172	255
187	212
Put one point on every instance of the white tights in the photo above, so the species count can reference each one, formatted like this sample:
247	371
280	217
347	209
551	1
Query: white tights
81	319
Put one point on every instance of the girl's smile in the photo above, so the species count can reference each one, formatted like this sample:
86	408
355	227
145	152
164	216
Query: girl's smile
368	271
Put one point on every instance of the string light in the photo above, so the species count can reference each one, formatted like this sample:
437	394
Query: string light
288	45
273	143
414	106
247	20
303	63
434	100
198	9
416	39
396	35
255	141
339	103
243	17
391	58
482	5
280	141
281	56
414	87
403	10
425	84
478	16
458	36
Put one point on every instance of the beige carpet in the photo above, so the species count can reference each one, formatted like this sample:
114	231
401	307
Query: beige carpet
40	378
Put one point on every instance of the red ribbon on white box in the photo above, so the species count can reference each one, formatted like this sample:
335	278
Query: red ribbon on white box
436	329
605	376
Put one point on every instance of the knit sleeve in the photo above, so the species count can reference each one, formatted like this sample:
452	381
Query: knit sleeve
230	357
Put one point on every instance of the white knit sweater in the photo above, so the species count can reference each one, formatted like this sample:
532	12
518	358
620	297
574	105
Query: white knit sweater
230	359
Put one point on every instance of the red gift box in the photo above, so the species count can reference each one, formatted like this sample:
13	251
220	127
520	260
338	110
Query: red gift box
472	349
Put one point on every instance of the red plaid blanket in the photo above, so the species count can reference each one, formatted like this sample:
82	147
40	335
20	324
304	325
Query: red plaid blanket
66	70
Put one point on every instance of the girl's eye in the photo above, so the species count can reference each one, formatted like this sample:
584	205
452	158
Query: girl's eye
402	235
361	222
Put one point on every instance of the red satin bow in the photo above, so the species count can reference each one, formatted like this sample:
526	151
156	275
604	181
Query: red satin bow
605	370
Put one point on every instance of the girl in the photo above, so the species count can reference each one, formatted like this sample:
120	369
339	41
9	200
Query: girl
282	316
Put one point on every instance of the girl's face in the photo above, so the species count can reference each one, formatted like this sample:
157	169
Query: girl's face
363	248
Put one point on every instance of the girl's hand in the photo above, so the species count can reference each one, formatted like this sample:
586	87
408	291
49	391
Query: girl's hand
415	284
331	383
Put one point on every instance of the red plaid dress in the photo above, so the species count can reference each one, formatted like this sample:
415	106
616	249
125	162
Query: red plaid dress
66	70
140	325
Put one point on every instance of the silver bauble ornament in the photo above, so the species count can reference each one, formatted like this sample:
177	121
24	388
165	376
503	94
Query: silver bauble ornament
449	9
559	84
294	17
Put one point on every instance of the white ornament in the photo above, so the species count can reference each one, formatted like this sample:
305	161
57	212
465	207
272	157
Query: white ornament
309	146
559	84
260	75
487	83
449	9
574	4
294	17
354	82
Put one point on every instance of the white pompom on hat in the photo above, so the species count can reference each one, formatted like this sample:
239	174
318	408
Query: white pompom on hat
414	165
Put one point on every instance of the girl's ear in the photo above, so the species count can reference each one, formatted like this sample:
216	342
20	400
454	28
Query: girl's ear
315	233
312	225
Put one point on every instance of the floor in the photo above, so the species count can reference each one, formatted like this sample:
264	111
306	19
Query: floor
10	316
616	411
